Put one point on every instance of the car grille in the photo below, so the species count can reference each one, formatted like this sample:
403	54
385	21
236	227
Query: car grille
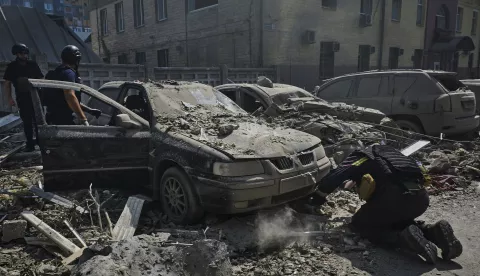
306	158
283	163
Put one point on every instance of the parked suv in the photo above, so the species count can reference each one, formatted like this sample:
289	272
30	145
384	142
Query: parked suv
430	102
191	146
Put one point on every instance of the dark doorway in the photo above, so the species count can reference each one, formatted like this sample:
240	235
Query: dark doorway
327	60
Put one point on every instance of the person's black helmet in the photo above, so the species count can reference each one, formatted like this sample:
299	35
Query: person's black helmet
71	54
20	48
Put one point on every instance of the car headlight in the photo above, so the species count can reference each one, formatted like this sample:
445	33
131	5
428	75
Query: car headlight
238	168
319	152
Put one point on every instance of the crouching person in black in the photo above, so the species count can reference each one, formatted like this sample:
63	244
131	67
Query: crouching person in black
393	186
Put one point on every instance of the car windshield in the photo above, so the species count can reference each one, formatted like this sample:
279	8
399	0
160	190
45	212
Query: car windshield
450	82
178	100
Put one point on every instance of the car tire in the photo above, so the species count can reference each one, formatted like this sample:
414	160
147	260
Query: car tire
409	126
178	199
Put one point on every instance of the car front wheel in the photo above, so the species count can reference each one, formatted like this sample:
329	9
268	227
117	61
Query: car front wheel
178	199
409	126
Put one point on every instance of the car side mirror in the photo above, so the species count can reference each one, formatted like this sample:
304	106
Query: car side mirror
123	120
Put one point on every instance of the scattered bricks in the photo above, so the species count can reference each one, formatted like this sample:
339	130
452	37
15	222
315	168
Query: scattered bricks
13	229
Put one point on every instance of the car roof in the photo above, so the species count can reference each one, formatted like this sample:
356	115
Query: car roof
278	88
165	84
393	71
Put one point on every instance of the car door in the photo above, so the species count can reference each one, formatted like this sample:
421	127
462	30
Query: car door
414	94
106	156
373	91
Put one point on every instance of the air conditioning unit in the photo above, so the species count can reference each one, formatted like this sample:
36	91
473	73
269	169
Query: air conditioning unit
365	20
309	37
372	50
336	47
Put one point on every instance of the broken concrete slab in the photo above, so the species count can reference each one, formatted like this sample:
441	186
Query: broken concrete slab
209	258
13	229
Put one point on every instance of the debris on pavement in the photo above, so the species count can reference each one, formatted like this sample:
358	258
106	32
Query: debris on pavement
13	229
128	221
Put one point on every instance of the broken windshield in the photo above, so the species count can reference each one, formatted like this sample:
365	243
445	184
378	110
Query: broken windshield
450	82
177	100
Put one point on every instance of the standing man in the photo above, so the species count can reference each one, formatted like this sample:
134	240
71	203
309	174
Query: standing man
61	103
21	67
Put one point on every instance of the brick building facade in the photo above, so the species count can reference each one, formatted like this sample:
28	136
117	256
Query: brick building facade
309	40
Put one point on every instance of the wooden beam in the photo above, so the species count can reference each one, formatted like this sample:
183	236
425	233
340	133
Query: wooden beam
5	156
75	233
39	241
57	199
70	259
128	221
62	242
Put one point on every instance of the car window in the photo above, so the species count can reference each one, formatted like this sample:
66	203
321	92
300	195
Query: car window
368	87
112	93
249	103
404	84
336	90
384	90
450	82
108	110
136	100
231	93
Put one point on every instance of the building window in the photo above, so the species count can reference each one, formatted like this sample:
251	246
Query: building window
123	59
5	2
161	9
199	4
119	18
138	13
366	6
162	58
441	18
27	4
417	58
396	10
327	60
103	22
140	58
363	58
420	9
474	22
458	27
48	7
393	58
331	4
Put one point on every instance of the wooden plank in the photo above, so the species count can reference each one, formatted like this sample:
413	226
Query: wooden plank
128	221
75	233
10	153
57	199
62	242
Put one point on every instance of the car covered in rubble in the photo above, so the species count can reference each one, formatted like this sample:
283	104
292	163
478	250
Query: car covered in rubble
296	108
423	101
186	144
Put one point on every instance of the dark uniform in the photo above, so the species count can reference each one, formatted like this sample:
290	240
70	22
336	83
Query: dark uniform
399	197
24	69
58	110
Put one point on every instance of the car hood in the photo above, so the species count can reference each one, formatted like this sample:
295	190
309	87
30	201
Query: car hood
252	141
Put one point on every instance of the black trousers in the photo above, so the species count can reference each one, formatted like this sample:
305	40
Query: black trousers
27	114
382	218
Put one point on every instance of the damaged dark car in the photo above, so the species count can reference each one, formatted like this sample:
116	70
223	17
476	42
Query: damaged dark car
191	146
334	123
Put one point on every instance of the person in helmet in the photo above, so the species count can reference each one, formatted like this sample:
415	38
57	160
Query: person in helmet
61	104
22	67
393	186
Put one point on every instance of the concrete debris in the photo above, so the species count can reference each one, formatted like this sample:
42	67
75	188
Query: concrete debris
13	229
146	255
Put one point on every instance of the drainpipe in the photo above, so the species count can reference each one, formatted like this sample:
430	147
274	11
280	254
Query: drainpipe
260	56
382	36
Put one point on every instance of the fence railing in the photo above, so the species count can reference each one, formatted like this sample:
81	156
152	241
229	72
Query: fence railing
95	75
